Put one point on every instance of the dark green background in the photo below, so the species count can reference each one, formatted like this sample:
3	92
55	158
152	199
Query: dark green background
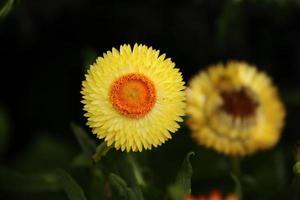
46	46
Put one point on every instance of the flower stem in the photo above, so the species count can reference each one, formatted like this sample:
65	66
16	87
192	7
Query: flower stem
236	166
101	151
237	175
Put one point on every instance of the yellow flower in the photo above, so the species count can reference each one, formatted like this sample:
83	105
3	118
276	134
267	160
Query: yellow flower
133	98
234	109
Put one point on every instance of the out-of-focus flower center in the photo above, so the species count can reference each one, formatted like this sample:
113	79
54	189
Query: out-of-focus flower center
133	95
238	103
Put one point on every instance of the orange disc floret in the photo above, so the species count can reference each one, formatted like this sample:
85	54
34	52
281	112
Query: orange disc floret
133	95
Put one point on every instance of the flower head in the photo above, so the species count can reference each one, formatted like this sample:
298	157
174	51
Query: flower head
234	109
133	98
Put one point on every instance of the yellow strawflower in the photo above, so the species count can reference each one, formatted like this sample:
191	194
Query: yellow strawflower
133	98
234	109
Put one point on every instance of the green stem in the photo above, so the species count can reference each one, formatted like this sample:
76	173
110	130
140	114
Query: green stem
236	166
101	151
237	175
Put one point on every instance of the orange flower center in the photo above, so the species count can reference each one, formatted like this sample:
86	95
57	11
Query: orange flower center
239	103
133	95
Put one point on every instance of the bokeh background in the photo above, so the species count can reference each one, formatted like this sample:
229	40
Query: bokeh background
46	47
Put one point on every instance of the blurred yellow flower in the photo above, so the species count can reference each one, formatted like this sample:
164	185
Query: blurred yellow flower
234	109
133	98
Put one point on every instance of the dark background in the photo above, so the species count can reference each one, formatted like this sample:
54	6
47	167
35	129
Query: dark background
46	46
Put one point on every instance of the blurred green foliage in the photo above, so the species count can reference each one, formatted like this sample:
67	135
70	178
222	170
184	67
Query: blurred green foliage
126	176
120	188
5	8
69	185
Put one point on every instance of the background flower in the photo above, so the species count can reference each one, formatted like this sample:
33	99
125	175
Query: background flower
234	109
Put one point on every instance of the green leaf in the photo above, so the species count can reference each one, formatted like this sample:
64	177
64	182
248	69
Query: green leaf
87	144
130	194
17	182
296	168
119	186
295	187
185	174
132	174
101	151
6	8
136	171
182	185
69	185
120	189
11	181
97	186
238	186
